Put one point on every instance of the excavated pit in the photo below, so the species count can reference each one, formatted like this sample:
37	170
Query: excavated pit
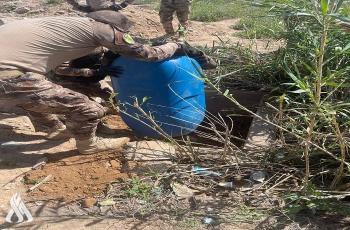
235	119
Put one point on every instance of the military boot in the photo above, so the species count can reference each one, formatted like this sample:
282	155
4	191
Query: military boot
98	144
103	128
168	27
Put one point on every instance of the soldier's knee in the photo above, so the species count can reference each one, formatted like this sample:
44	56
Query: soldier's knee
33	76
165	17
87	111
183	18
96	110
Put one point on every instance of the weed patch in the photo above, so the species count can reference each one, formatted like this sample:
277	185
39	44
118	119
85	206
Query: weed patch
54	2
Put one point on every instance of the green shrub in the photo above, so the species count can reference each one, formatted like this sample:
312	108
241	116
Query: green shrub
215	10
54	2
316	95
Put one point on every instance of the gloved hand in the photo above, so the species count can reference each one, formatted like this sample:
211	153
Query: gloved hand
204	60
114	71
117	7
120	6
185	48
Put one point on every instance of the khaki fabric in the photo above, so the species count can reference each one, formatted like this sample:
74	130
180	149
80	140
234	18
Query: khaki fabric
113	40
40	45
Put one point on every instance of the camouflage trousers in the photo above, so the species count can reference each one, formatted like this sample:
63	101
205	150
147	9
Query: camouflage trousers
43	100
182	8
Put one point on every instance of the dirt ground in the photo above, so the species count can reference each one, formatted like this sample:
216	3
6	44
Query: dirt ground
76	177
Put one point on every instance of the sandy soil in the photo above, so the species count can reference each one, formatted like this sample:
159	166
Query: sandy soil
76	177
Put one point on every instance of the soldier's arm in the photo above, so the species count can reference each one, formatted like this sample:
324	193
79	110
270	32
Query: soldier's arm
121	6
68	71
145	52
124	45
126	3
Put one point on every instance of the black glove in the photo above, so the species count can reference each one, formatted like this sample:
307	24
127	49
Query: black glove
204	60
116	7
187	49
113	71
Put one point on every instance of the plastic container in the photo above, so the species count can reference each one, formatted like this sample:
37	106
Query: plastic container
172	91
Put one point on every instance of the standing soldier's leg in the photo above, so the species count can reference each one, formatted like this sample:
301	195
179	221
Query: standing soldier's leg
48	123
183	10
34	93
166	15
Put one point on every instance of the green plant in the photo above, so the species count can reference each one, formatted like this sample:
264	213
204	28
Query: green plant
245	213
153	4
139	189
209	11
189	223
314	201
317	63
54	2
28	181
260	27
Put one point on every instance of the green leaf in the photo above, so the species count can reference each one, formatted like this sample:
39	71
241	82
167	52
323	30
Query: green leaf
336	84
346	48
299	91
289	84
324	6
341	18
144	99
339	4
299	82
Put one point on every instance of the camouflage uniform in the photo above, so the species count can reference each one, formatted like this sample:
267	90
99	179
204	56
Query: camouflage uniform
167	9
81	75
26	60
37	95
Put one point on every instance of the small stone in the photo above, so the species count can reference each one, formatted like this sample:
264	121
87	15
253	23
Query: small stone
107	165
46	189
88	202
108	202
208	220
258	176
94	177
22	10
149	150
38	11
60	12
114	164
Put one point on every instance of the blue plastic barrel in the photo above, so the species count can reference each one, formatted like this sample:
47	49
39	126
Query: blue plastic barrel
171	91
